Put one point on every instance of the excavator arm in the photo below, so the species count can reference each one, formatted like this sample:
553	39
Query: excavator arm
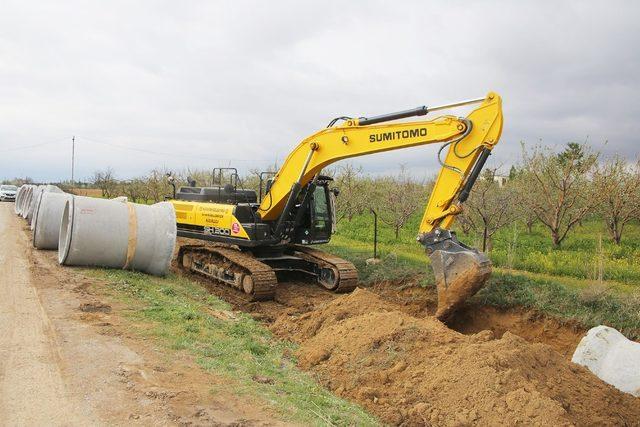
460	271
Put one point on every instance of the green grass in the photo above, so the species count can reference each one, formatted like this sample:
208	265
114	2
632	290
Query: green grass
183	316
533	252
589	306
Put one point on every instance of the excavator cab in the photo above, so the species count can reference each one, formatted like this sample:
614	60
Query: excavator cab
318	218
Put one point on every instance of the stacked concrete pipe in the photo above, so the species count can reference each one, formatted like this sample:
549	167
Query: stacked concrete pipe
36	204
19	197
47	219
33	201
108	233
26	202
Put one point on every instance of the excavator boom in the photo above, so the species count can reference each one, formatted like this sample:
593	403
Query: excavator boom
459	271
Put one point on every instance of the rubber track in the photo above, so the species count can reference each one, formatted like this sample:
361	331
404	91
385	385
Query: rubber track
347	272
264	278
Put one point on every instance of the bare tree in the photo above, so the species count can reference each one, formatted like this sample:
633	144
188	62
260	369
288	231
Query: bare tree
489	208
157	186
22	181
200	176
135	190
556	187
105	180
353	199
524	213
618	186
399	196
252	181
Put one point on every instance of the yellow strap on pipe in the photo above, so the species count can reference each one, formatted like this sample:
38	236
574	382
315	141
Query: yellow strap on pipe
133	235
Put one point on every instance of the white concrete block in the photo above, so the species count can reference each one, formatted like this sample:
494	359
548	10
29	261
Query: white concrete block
612	357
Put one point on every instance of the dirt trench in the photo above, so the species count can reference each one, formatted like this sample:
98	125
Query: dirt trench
295	297
382	348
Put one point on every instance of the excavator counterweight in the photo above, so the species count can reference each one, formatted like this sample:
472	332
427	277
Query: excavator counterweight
258	238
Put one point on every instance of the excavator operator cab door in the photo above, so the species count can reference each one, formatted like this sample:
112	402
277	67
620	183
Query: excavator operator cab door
319	218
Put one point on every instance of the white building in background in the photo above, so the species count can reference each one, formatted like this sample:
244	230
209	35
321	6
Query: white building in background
500	179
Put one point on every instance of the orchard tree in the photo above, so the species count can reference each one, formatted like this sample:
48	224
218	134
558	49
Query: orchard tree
557	187
202	177
618	185
354	198
135	190
398	198
105	180
157	185
489	208
23	181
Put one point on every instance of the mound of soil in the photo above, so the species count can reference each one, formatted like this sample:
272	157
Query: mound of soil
416	371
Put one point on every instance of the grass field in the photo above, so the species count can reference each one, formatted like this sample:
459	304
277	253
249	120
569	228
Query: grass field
514	248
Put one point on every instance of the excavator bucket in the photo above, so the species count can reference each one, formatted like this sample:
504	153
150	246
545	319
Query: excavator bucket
460	272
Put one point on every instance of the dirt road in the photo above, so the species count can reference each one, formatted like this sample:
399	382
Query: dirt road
32	389
66	358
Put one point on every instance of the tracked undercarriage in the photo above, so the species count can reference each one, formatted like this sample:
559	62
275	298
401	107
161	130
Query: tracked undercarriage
255	274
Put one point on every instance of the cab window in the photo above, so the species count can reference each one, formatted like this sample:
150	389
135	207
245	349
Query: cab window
321	214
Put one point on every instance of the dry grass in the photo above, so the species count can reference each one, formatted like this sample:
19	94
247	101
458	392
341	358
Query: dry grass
87	192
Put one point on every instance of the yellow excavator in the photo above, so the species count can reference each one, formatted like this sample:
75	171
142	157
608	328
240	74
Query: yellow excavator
256	236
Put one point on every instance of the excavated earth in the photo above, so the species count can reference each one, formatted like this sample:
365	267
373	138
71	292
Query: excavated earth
382	348
417	371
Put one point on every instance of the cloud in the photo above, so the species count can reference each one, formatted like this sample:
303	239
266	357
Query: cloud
241	83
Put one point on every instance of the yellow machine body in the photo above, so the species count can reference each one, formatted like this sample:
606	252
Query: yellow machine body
217	218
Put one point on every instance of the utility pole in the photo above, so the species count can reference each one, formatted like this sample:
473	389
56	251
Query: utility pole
73	156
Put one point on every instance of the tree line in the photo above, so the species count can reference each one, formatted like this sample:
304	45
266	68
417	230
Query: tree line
556	189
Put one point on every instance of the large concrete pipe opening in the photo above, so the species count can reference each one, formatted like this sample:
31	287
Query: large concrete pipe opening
19	198
24	210
33	202
36	206
26	201
47	219
107	233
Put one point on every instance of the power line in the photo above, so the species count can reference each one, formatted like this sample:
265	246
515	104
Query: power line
26	147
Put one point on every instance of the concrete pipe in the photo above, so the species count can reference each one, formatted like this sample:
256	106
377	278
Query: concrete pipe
24	208
33	202
36	204
27	201
47	219
107	233
19	197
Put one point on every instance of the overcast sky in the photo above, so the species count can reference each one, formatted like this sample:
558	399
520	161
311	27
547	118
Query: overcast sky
143	84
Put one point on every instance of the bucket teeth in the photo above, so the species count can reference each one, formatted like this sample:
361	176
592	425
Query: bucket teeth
459	271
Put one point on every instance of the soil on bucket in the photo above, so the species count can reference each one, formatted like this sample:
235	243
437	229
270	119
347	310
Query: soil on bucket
417	371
